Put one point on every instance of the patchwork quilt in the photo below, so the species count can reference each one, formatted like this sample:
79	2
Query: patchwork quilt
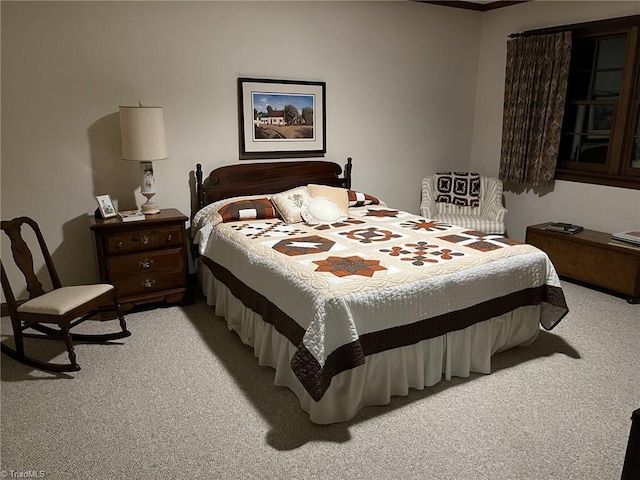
380	279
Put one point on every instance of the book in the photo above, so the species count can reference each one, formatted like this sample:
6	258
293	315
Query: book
622	243
629	236
131	215
564	227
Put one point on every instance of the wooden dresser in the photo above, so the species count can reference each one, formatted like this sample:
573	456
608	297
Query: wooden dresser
145	259
588	256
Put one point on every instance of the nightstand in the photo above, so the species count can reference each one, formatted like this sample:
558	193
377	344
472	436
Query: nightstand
145	259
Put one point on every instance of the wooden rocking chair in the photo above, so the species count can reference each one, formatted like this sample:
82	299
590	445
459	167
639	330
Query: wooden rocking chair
65	307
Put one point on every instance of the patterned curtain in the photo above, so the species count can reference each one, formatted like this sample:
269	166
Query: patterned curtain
534	97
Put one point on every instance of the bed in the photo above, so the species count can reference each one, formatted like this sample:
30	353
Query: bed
355	311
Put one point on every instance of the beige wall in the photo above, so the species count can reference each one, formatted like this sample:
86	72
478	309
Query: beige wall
67	66
596	207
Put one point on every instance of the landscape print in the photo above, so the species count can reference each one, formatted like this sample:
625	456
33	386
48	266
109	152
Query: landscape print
283	116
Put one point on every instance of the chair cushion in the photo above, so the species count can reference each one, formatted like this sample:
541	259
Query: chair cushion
450	209
472	222
64	299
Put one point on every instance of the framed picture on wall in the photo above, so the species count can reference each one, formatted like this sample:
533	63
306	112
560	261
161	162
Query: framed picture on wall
281	118
105	205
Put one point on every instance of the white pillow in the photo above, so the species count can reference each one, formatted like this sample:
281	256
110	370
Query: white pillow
319	210
290	202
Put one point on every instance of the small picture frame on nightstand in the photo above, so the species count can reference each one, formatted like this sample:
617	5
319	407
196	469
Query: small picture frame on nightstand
105	206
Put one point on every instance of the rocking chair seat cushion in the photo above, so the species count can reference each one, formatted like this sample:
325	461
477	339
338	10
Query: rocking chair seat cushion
64	299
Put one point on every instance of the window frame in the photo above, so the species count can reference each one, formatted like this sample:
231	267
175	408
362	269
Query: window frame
618	170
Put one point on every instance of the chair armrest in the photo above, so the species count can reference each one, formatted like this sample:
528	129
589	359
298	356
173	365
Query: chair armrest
493	210
428	207
492	207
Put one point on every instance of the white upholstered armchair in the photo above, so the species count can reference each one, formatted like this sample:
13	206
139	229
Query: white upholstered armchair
488	217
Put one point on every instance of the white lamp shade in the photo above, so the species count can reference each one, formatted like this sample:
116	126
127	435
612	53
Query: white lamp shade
142	130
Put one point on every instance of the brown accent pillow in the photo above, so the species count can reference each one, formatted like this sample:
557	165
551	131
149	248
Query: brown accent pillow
357	199
259	208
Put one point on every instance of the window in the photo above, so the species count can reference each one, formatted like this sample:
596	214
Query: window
600	140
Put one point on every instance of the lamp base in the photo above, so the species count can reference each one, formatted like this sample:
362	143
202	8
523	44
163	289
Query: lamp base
149	207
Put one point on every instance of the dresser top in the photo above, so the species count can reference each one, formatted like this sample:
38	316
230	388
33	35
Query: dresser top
166	215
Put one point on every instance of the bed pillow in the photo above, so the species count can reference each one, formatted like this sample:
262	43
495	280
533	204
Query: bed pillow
247	209
337	195
358	199
205	220
219	203
289	203
320	210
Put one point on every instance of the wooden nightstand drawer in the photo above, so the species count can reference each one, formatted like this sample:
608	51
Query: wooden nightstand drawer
143	239
170	236
148	282
153	261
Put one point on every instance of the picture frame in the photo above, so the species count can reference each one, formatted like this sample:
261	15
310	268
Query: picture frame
105	205
281	118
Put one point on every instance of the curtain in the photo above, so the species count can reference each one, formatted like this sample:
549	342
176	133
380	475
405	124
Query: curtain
534	98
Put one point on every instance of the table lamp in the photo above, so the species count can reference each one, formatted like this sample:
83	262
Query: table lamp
143	141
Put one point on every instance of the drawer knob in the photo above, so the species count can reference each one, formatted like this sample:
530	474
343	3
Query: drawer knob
148	283
146	263
169	238
119	244
145	239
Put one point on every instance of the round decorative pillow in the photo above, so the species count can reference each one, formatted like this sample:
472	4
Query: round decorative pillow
319	210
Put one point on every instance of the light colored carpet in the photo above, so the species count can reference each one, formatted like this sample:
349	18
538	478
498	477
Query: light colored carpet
183	398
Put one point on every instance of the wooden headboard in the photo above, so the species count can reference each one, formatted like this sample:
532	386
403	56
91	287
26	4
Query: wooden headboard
272	177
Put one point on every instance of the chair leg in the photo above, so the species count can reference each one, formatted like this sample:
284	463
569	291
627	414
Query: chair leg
63	333
123	323
94	338
107	336
17	337
32	362
70	351
19	355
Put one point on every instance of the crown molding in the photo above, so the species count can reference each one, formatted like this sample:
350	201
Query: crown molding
478	7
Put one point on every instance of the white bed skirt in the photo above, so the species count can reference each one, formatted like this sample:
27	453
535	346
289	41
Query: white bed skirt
384	374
